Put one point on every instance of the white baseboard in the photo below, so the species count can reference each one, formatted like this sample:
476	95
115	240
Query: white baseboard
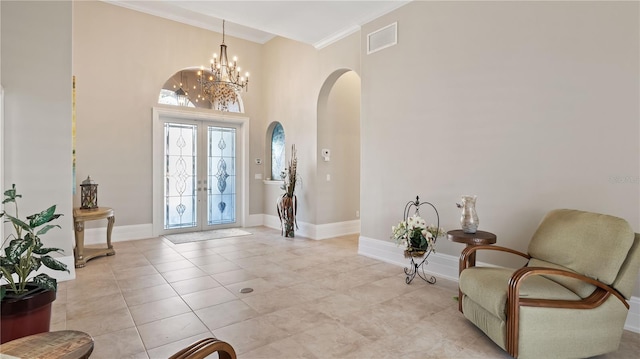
142	231
317	231
446	266
254	220
271	221
307	230
330	230
119	233
633	318
440	265
304	229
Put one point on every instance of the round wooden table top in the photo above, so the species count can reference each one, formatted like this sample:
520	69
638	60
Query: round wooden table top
472	239
63	344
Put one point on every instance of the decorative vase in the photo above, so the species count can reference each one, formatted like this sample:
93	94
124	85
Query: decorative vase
287	208
469	217
26	315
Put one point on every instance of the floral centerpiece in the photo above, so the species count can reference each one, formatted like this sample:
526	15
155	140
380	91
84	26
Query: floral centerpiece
415	236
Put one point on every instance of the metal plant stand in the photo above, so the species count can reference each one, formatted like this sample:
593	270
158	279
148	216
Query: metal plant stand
419	257
418	268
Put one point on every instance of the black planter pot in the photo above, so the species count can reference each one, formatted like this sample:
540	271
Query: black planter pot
27	314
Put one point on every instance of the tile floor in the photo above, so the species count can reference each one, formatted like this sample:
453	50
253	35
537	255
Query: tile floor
311	299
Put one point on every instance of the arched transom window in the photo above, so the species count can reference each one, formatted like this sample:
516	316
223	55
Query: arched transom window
185	88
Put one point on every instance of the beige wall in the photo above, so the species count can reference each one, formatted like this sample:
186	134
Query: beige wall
293	101
36	77
121	60
531	106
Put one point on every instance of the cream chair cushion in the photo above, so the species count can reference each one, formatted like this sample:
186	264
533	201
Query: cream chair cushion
580	240
488	288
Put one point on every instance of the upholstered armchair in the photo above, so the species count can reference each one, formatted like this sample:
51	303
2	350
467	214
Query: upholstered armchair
569	301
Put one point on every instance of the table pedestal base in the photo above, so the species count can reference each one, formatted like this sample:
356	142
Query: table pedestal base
90	253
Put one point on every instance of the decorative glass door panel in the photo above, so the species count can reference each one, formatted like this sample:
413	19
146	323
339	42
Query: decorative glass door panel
196	153
180	175
221	175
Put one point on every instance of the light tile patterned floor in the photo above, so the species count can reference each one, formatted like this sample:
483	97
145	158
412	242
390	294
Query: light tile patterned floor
311	299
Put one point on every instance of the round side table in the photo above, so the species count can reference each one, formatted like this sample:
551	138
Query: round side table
471	239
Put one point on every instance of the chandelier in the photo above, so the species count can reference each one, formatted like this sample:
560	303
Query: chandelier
223	83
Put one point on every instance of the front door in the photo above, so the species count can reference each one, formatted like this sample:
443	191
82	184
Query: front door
199	174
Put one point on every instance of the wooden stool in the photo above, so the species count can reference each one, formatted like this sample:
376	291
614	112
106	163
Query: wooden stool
65	344
82	255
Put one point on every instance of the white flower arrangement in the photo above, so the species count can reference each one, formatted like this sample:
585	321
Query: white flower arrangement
414	234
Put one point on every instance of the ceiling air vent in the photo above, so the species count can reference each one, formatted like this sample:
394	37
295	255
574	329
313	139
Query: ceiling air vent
382	38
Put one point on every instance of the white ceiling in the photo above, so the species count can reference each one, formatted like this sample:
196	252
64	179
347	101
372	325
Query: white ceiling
317	23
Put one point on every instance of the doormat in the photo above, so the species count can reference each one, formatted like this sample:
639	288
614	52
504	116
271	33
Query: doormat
205	235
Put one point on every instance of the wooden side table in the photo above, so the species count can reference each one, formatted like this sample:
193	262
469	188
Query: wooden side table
470	239
63	344
82	255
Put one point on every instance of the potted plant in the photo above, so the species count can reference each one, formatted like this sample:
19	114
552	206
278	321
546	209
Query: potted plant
26	299
416	236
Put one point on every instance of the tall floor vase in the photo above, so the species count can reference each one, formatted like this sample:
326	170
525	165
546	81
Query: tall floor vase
287	207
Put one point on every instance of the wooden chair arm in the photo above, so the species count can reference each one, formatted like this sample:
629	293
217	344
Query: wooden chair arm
468	251
521	274
205	347
514	302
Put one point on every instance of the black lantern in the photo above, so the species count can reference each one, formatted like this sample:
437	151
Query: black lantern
88	194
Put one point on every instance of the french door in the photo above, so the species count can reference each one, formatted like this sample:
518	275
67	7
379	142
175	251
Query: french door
200	175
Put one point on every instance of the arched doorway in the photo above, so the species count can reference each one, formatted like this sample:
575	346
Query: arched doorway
339	134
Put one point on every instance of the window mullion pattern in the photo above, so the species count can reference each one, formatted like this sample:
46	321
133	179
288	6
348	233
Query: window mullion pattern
180	175
221	178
